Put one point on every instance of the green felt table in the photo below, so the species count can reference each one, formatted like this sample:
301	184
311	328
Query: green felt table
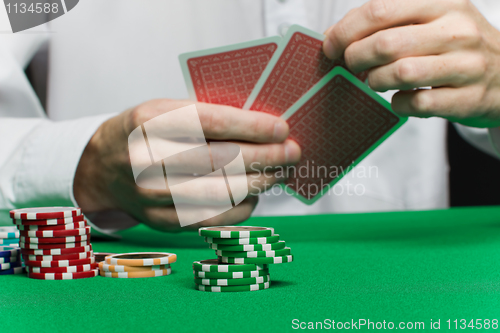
397	267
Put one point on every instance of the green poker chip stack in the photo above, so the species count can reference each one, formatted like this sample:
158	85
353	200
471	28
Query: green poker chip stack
244	255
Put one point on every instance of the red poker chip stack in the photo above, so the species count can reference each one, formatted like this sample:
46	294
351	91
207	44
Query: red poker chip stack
55	243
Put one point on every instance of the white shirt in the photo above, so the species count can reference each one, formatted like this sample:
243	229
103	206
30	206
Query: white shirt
107	56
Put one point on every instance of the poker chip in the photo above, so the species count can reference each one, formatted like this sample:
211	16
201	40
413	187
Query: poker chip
55	243
136	265
56	233
101	256
230	275
60	263
50	222
9	233
244	255
243	241
4	260
213	265
120	268
250	287
15	270
141	259
45	213
38	246
258	261
69	226
232	282
9	251
64	276
8	265
67	269
140	274
70	239
57	252
8	241
239	249
72	256
236	232
249	247
254	254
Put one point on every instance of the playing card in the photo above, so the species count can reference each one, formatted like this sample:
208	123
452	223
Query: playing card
337	123
227	75
297	65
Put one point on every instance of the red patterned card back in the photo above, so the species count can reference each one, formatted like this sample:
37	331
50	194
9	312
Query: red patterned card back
301	65
334	128
228	78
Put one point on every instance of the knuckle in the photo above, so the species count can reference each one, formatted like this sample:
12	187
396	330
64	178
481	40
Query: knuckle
341	32
259	127
386	45
473	33
253	158
468	33
422	102
137	116
406	72
376	81
351	13
274	154
268	157
477	66
215	122
146	111
379	11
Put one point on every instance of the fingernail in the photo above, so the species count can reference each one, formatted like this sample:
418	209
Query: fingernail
280	132
328	48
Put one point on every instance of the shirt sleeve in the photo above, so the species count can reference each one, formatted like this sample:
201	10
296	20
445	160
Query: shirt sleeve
39	160
38	157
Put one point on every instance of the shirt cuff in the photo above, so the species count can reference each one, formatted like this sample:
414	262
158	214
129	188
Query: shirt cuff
50	157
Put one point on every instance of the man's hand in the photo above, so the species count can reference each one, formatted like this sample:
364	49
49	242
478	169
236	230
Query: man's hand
406	44
104	178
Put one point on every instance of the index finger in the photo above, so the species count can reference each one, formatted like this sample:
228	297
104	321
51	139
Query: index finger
377	15
220	122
